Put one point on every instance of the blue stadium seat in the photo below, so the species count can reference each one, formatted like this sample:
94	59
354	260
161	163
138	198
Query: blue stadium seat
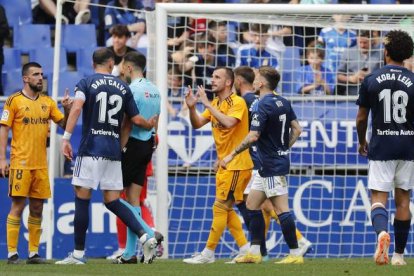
66	80
28	37
44	56
84	61
12	59
75	37
290	63
18	12
12	82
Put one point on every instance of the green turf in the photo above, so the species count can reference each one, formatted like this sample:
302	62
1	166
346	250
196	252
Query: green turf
177	267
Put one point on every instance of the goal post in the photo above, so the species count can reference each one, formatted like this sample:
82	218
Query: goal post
328	191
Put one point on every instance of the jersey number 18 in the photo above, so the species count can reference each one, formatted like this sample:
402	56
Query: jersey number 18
399	101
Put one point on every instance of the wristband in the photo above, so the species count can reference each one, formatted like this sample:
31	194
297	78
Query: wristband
67	135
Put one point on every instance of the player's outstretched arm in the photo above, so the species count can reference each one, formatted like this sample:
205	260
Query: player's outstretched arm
295	132
249	140
196	119
142	122
4	133
67	103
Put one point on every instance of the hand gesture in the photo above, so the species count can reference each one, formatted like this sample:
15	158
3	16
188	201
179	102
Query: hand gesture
67	101
4	167
201	94
318	78
190	99
153	120
66	149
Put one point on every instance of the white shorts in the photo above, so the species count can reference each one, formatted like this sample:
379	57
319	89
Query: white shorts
89	172
385	176
271	186
250	184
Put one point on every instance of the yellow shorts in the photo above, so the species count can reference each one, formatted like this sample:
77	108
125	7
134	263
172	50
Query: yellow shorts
231	184
29	183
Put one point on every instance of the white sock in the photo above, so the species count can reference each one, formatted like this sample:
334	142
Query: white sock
255	249
294	252
398	254
31	254
78	253
244	249
143	238
208	253
11	254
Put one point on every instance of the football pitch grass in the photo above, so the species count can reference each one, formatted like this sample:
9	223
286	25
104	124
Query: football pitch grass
333	266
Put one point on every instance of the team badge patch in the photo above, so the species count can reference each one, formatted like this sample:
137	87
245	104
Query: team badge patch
5	115
44	107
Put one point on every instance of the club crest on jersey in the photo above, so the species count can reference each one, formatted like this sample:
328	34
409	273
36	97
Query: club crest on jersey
255	120
44	107
5	115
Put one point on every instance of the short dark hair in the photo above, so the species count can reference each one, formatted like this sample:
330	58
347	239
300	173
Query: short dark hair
365	33
102	55
246	73
259	28
138	60
399	45
214	24
27	66
229	73
271	75
120	31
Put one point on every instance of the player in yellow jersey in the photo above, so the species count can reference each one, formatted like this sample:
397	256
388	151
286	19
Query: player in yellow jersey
229	119
27	113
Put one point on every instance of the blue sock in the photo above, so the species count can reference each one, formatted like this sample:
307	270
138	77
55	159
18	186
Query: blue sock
131	242
379	218
401	229
288	229
257	226
245	213
146	227
263	249
81	222
127	215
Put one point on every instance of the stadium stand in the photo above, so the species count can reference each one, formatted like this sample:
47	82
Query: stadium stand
19	12
44	56
12	59
66	80
24	40
75	37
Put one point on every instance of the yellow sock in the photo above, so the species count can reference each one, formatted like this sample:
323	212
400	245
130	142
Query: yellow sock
13	228
236	228
267	217
298	233
218	225
35	230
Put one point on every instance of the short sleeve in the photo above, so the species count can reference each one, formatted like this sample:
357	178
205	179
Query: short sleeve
7	115
292	114
206	114
237	109
131	108
363	98
259	117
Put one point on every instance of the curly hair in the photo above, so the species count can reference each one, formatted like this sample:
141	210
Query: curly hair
399	45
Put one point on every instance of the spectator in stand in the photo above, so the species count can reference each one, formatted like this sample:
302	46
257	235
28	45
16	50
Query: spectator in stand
336	39
357	62
120	35
44	12
134	20
176	92
4	33
256	53
314	78
224	53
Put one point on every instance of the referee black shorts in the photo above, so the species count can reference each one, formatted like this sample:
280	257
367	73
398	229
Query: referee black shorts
135	160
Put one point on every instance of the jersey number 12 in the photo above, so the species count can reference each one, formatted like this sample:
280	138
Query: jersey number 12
115	101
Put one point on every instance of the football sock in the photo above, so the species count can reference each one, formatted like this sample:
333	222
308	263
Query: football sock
34	226
275	217
146	227
267	218
244	212
13	227
121	233
257	226
379	218
81	222
288	229
236	228
218	225
131	245
401	229
125	212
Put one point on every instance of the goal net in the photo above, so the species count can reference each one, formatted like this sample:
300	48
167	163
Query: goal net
333	47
